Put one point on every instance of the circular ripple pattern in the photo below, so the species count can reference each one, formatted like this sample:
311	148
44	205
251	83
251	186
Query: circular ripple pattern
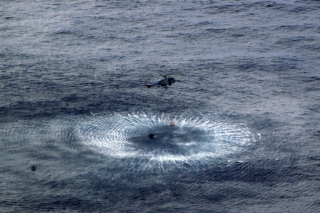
124	139
192	140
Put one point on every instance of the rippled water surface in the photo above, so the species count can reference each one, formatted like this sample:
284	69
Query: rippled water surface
238	132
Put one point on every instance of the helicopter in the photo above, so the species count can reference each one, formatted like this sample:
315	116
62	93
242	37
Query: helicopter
164	82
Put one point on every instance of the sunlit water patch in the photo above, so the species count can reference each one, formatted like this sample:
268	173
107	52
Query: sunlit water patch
138	141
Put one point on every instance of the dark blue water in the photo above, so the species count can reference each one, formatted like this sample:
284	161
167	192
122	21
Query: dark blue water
75	116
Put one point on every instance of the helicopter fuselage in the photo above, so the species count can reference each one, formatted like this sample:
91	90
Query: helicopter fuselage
166	81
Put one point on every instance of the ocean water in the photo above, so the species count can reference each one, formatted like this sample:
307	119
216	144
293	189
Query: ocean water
76	118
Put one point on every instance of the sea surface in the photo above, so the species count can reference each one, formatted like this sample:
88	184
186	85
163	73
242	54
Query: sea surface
238	132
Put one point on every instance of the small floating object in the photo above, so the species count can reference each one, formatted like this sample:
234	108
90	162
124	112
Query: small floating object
151	136
33	168
172	123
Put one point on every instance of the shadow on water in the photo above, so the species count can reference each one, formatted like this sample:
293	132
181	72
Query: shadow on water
166	139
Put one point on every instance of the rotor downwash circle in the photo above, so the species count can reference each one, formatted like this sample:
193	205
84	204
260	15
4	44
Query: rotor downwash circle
192	140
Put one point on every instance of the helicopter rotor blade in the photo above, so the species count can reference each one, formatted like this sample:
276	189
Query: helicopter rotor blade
171	73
